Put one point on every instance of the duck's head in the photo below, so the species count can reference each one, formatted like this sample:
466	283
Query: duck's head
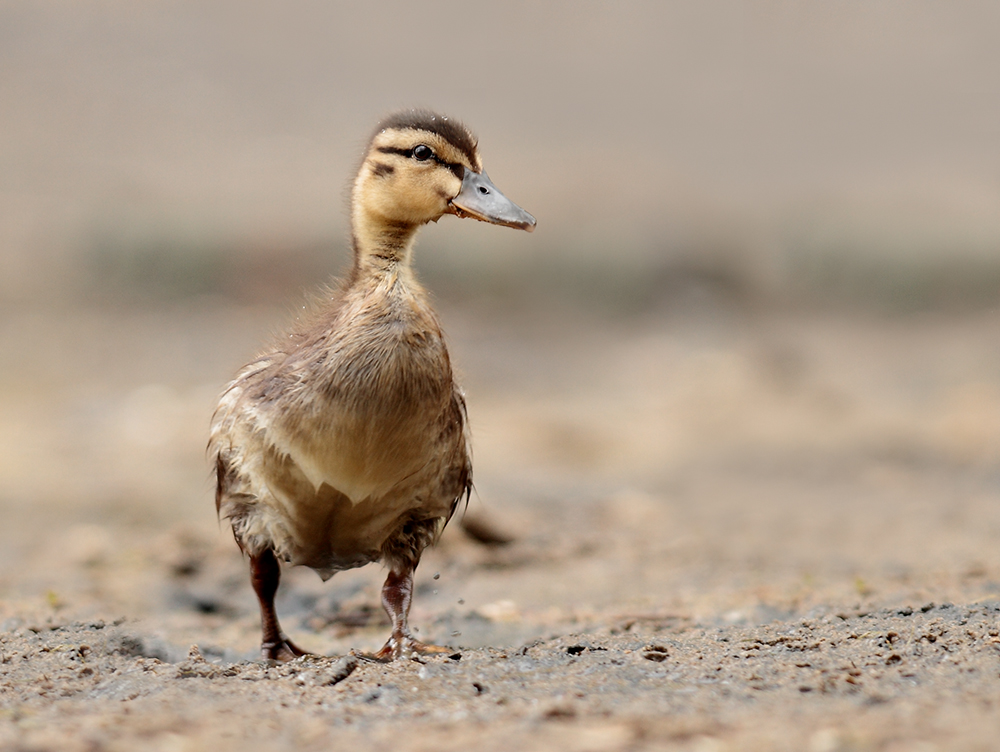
420	166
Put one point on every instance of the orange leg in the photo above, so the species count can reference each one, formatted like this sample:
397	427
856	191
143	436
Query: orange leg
397	592
265	574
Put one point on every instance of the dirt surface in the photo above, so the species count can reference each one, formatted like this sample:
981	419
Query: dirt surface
821	682
729	530
732	525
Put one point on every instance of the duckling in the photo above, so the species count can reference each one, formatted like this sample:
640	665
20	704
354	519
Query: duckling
346	442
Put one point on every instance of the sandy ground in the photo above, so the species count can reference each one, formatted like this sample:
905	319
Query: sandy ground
731	530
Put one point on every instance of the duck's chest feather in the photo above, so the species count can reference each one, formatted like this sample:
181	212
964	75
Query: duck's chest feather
359	405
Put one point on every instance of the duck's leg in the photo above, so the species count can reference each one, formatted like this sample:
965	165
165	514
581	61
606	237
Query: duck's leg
265	573
397	592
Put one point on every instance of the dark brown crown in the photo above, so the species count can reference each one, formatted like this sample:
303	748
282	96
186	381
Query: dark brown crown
449	129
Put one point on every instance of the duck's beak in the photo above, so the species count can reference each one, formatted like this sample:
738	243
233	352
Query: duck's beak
482	200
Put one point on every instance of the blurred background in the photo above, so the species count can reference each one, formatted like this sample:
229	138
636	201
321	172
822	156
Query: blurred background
750	352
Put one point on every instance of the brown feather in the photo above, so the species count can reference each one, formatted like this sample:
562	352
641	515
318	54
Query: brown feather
345	442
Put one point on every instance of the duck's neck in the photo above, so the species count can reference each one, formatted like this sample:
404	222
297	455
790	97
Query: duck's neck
381	246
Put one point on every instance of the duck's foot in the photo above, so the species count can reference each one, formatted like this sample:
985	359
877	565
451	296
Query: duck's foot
282	650
396	594
265	573
404	646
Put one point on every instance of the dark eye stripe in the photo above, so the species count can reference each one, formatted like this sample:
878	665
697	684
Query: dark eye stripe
457	169
396	150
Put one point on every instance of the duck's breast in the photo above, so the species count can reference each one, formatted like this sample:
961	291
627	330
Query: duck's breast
364	405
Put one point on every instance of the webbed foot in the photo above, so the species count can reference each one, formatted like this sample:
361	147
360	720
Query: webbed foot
405	646
282	650
396	595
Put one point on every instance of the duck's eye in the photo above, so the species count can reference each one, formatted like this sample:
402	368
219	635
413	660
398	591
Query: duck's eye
422	153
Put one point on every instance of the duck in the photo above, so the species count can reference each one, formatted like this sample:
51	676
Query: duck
346	441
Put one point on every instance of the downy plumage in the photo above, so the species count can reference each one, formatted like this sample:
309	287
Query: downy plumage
345	442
